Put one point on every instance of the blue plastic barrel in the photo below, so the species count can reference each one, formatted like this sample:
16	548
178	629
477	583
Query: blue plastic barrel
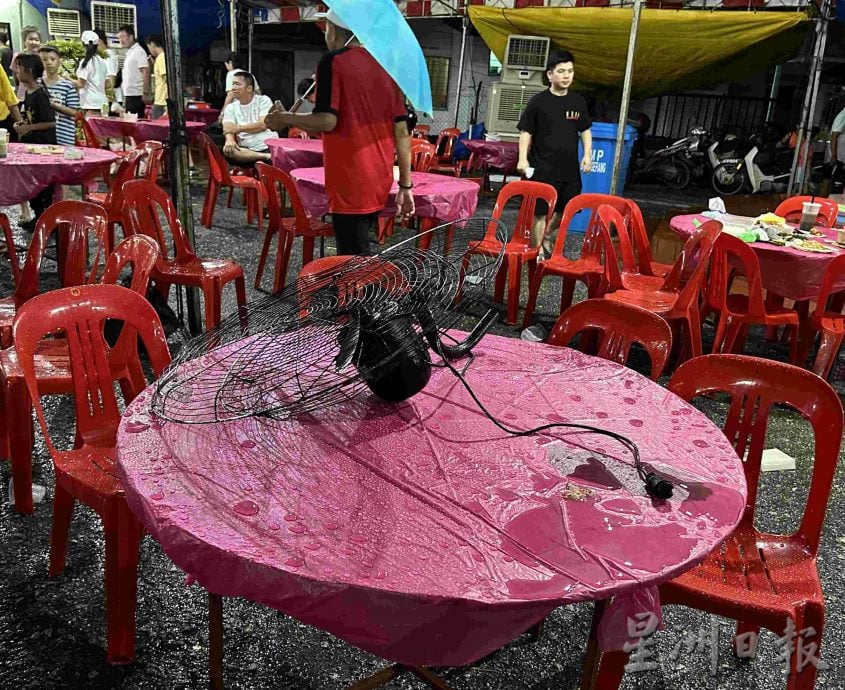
598	180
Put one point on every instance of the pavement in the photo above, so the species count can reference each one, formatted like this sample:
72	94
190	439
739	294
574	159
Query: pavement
52	631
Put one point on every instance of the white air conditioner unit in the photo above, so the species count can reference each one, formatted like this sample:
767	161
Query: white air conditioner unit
63	23
110	16
505	105
525	59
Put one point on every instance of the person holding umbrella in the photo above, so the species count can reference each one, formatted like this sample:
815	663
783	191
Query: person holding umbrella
361	114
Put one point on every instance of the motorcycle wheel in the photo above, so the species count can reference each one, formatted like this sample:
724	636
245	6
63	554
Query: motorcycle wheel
681	178
727	179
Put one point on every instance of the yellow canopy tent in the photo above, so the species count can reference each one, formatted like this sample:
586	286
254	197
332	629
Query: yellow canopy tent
676	50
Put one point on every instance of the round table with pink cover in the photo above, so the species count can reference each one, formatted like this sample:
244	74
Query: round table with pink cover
139	130
290	154
784	271
421	532
501	155
23	174
207	115
440	198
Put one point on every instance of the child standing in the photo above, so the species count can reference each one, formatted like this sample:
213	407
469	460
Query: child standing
63	96
38	122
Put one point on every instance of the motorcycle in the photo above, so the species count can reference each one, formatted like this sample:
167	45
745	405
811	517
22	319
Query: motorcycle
667	165
758	171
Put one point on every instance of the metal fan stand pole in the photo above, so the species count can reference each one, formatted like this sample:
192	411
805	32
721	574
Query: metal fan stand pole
180	190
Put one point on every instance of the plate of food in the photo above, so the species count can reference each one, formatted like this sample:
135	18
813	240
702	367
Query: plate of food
812	246
45	149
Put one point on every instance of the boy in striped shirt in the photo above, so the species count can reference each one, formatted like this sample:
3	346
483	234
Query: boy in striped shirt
63	96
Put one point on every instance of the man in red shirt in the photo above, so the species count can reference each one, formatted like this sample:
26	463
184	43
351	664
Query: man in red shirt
361	114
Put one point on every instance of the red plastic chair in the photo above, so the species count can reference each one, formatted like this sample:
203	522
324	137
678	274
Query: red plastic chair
732	257
88	139
11	252
297	133
77	225
146	205
647	266
422	156
421	132
53	369
518	250
673	301
826	321
287	228
153	151
219	177
790	209
87	473
588	267
112	201
759	579
620	325
444	147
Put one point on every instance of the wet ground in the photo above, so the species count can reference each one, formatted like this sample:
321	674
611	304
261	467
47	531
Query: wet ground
52	631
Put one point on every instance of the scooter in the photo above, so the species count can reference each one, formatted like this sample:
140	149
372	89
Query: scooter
733	176
666	165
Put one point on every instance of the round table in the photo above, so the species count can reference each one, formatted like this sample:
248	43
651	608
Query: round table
439	197
140	130
501	155
290	154
23	175
421	532
207	115
784	271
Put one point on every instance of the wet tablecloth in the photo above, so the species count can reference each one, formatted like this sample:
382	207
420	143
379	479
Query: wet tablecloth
785	271
442	197
502	155
290	154
111	127
23	175
421	532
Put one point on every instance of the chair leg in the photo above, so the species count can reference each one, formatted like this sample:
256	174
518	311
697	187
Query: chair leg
499	286
262	259
19	432
215	640
307	250
514	275
123	535
63	503
721	329
240	298
211	193
732	341
533	292
809	627
743	628
567	292
211	297
229	198
828	351
283	251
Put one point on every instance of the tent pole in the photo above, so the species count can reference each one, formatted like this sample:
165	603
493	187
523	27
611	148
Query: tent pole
233	26
773	92
250	40
626	95
178	144
464	22
803	153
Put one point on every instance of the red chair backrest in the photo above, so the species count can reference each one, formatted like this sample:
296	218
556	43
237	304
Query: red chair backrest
273	181
589	203
218	168
692	262
621	325
834	273
79	314
147	205
127	170
639	235
76	223
731	256
347	279
607	222
755	386
422	156
297	133
421	131
139	253
11	254
153	152
791	208
530	192
89	139
445	143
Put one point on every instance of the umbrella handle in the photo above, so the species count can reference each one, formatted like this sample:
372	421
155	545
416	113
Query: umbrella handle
299	101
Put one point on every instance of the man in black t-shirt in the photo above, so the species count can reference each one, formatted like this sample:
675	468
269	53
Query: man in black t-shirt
550	128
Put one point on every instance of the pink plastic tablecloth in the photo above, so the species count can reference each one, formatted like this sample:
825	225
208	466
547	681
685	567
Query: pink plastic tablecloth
142	130
442	197
111	127
785	271
207	115
419	531
23	175
290	154
502	155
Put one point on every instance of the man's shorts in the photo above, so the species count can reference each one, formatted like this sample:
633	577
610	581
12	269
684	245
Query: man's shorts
565	192
241	164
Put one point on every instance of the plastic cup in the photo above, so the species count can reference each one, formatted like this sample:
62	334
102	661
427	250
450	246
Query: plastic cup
809	214
840	236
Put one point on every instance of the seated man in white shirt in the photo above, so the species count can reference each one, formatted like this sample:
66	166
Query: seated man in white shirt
243	124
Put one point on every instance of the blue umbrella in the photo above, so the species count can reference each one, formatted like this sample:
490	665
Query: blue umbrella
383	31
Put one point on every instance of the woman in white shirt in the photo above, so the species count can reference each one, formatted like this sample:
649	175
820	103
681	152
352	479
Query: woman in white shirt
91	76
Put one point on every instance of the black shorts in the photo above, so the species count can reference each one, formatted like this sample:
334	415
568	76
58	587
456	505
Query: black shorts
566	191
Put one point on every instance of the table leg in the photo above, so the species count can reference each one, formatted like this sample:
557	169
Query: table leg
384	676
215	640
429	678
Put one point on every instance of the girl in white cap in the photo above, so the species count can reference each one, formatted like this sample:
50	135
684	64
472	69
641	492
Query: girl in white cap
91	76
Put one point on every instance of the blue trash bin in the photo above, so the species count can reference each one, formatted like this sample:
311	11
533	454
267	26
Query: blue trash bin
598	180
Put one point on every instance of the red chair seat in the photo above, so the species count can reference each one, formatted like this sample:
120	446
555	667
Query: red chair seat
776	315
656	301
